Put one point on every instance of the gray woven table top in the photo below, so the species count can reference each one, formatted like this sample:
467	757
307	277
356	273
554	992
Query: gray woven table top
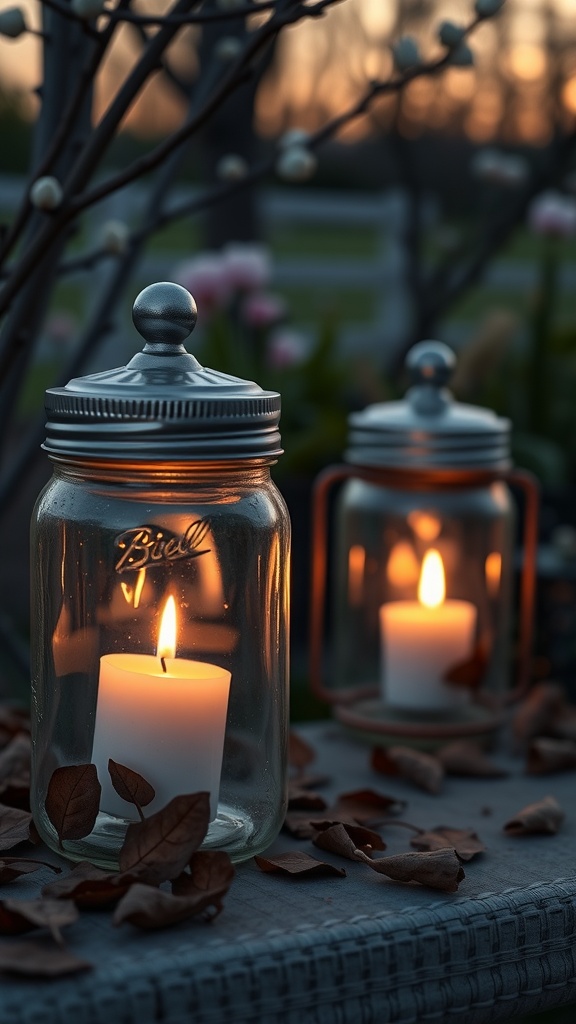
352	950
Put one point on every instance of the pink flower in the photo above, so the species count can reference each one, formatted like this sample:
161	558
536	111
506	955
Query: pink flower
286	347
248	266
553	214
262	309
206	278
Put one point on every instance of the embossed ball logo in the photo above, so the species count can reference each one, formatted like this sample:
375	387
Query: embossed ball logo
142	547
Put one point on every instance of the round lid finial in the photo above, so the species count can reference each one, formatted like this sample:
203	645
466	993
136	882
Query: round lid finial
430	362
164	313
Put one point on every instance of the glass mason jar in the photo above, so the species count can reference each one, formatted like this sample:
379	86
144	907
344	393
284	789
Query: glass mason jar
422	570
160	555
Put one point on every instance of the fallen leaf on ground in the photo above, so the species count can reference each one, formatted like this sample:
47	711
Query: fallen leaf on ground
131	786
365	805
15	758
73	800
546	755
439	869
305	800
345	840
22	915
424	770
36	959
13	867
564	726
12	721
310	781
467	758
90	887
211	874
541	818
536	714
15	792
14	826
300	753
463	840
297	863
161	846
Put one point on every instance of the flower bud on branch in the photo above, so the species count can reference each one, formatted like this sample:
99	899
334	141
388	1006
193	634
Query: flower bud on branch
406	54
449	34
462	57
46	193
231	168
12	22
296	163
488	8
87	9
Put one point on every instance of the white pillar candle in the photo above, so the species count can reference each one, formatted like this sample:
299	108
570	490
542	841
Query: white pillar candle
421	640
164	717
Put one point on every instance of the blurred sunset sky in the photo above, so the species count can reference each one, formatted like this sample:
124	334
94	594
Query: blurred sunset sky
523	83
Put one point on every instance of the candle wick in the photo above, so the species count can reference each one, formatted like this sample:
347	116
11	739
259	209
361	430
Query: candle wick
163	663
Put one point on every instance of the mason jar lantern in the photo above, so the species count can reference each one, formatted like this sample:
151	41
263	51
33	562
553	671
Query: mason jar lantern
160	553
422	573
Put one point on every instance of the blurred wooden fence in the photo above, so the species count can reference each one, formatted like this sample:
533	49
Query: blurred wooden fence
383	274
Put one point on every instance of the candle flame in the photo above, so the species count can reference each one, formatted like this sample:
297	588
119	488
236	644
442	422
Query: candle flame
432	586
167	635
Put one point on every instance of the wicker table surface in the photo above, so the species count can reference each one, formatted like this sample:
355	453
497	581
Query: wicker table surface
351	950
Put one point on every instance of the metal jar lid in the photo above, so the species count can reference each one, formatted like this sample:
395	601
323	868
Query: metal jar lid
163	404
428	429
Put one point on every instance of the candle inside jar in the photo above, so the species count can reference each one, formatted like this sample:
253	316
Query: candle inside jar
422	640
165	718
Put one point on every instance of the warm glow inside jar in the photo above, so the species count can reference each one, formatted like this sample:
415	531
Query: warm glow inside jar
160	592
422	570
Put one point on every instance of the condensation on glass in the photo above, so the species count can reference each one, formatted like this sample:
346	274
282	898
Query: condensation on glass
161	496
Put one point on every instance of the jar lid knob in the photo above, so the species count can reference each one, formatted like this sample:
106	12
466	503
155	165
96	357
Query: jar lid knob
164	314
430	362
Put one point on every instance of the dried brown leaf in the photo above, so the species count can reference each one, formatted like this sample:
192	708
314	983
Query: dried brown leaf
300	825
72	800
541	818
14	827
438	869
18	916
12	721
467	758
463	840
210	877
15	792
162	845
15	758
564	726
13	867
297	863
311	781
300	753
345	840
90	887
131	786
422	769
538	711
546	755
147	907
305	800
37	959
365	805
